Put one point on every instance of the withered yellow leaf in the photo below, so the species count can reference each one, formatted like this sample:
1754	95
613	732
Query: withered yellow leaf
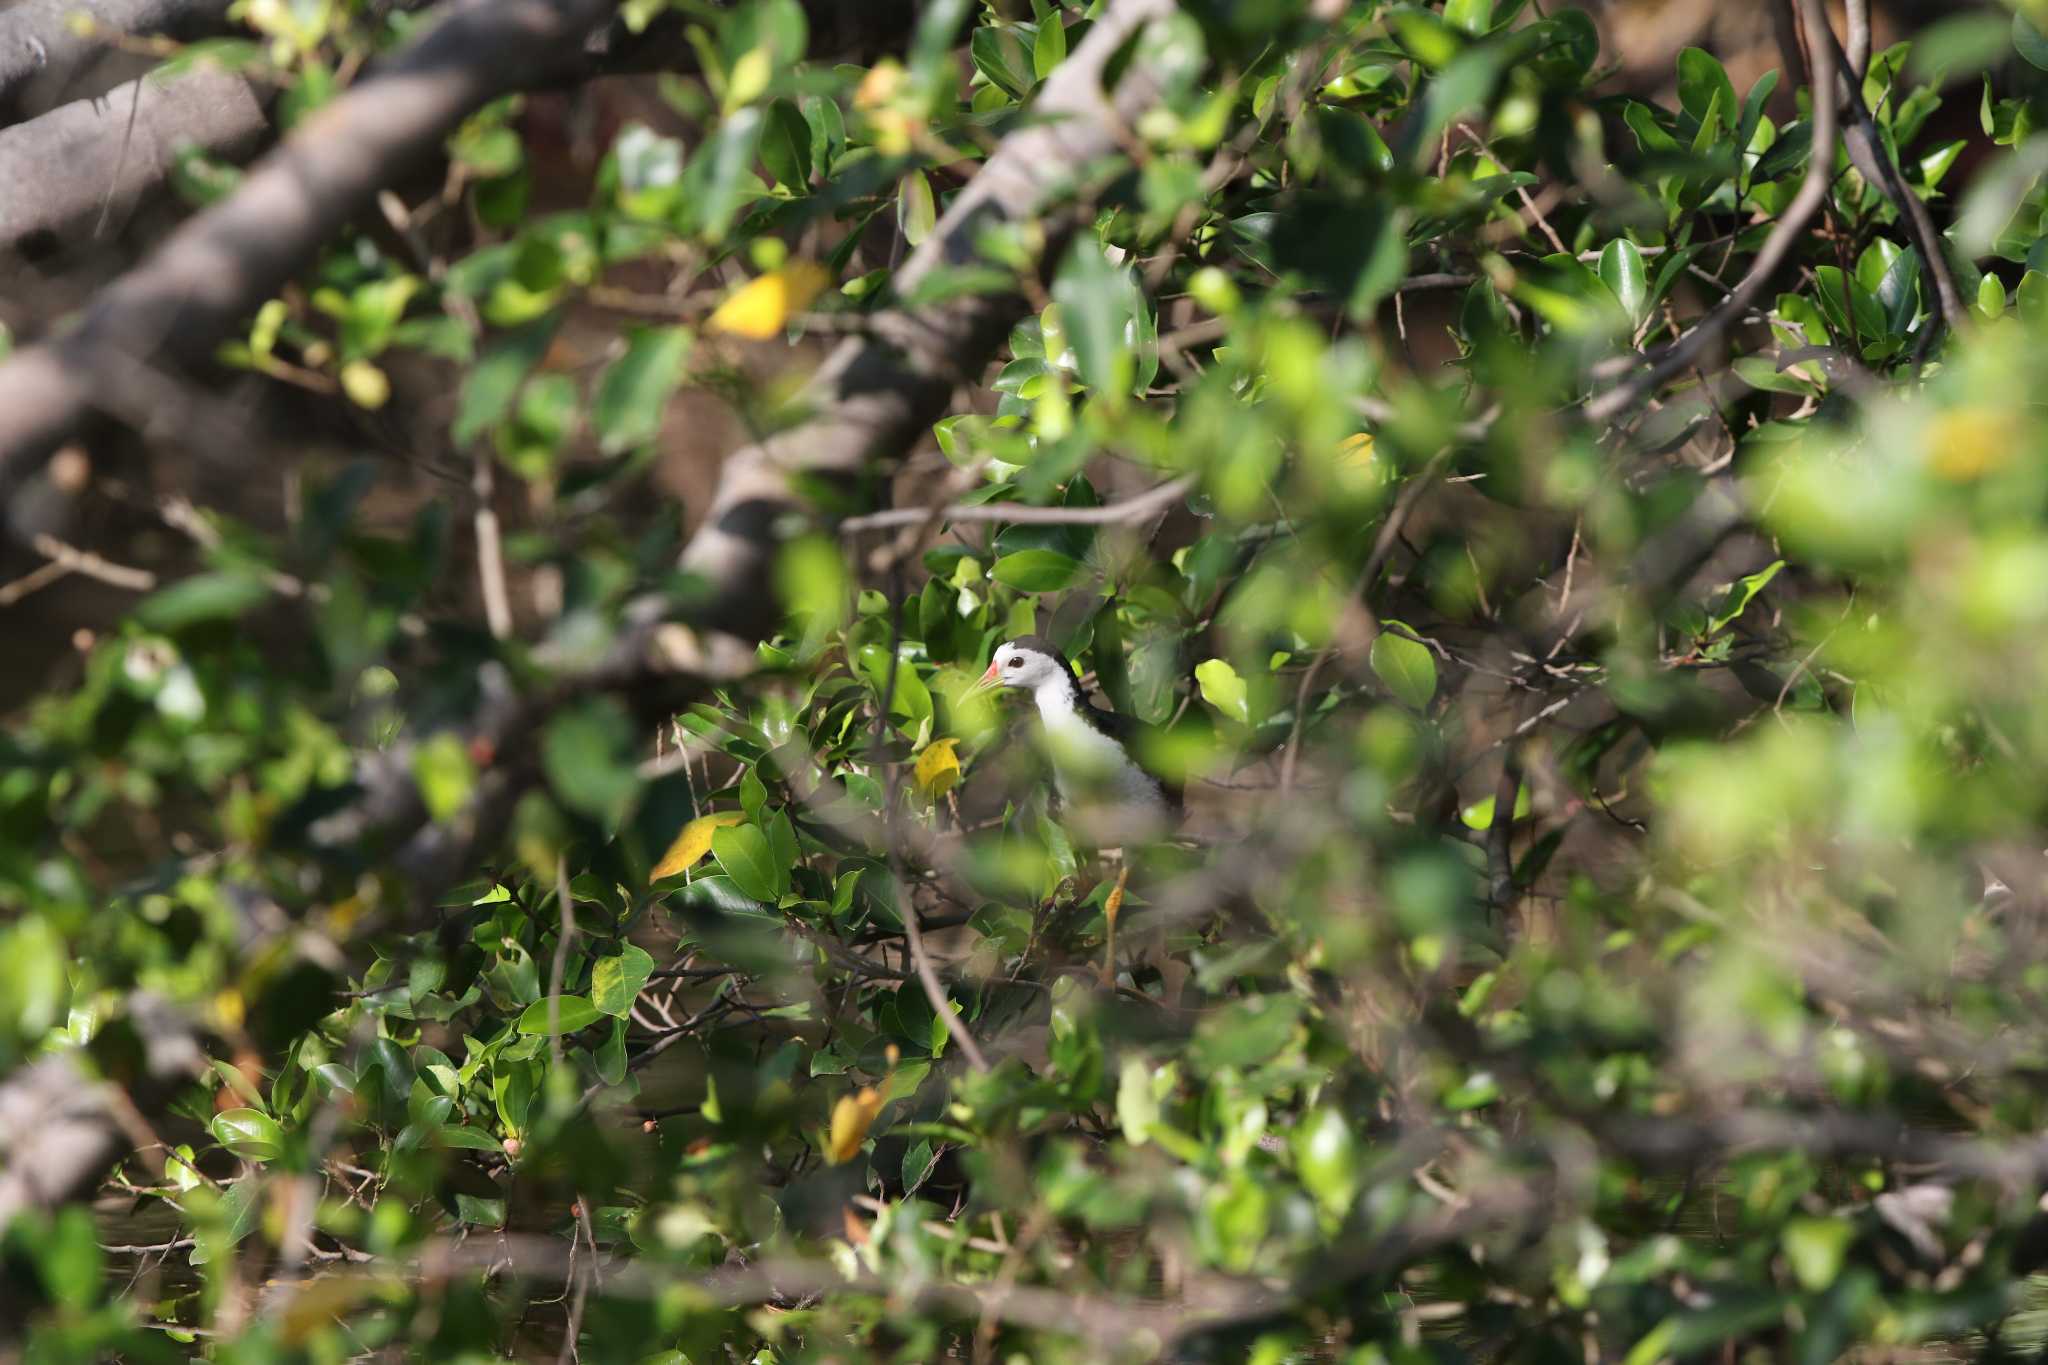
1355	449
851	1119
762	306
693	843
938	768
1964	444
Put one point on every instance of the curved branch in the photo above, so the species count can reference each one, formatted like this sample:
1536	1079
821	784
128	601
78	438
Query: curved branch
218	268
876	394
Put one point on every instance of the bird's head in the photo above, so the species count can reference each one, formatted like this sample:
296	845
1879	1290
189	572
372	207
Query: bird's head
1028	662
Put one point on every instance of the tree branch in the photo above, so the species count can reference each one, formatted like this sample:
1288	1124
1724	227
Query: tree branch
1133	508
45	61
876	394
109	168
197	289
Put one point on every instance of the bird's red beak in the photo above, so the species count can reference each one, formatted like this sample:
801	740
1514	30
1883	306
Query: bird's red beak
990	678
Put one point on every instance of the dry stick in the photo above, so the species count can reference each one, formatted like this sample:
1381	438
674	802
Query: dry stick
69	559
490	554
913	932
1867	153
1382	546
1858	61
1813	191
1134	508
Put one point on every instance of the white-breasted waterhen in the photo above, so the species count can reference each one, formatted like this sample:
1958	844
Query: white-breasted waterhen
1111	793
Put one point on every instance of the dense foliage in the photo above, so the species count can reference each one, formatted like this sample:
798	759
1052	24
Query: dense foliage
1606	923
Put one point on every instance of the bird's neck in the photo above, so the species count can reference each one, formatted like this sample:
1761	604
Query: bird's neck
1057	699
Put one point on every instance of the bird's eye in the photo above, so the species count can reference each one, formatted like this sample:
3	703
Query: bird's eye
1013	663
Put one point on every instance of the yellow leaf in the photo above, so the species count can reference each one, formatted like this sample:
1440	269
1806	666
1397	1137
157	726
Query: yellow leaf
880	85
693	843
1355	450
365	384
1967	443
938	768
851	1119
761	307
749	79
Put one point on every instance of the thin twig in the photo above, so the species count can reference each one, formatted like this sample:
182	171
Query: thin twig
1134	508
913	932
69	559
490	554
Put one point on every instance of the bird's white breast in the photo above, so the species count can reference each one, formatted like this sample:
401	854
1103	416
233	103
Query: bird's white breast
1091	770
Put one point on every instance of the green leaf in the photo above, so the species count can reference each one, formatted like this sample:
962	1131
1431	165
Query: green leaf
1137	1109
1703	86
1000	53
488	391
722	168
2029	42
249	1133
1406	666
69	1258
1036	570
1815	1249
1050	47
1473	16
203	597
786	146
467	1139
1326	1156
744	853
633	396
1991	296
1223	689
1097	304
586	753
1621	270
571	1012
446	776
1737	596
615	982
916	211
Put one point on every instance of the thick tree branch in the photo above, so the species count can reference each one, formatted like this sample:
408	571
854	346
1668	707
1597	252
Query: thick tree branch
221	266
876	394
113	154
45	61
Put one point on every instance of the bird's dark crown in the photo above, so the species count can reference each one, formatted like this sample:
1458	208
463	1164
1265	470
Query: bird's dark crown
1039	644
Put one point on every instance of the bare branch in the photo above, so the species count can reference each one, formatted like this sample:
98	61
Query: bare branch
218	268
1134	508
106	173
45	60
